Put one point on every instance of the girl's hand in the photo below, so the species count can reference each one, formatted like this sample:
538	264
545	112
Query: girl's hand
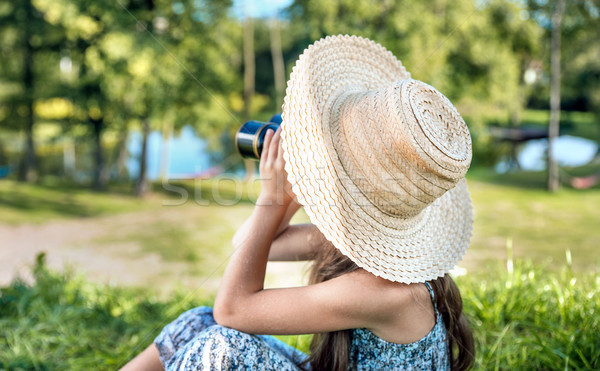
275	188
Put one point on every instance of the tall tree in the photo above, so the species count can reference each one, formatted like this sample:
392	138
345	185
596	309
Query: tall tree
557	15
29	172
249	76
277	57
580	59
86	26
31	45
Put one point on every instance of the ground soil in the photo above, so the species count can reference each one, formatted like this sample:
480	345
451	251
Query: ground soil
79	244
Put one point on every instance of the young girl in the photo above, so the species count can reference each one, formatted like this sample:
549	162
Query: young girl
377	160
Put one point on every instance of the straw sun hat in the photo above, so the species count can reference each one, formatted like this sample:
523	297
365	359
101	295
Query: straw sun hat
377	160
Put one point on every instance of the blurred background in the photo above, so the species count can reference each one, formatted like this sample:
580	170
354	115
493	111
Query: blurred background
117	156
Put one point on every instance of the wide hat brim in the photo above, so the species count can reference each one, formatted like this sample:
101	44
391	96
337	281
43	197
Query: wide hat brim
415	249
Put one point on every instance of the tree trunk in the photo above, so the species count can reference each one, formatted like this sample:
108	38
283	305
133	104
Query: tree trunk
278	65
99	181
69	158
142	184
120	165
28	171
167	132
553	130
515	121
249	73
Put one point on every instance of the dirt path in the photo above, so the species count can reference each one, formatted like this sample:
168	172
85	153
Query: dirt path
88	246
81	245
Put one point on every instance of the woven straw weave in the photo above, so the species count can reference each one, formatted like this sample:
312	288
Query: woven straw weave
377	160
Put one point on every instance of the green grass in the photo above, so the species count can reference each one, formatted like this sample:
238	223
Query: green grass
542	225
65	322
526	317
199	236
38	203
523	317
581	124
539	313
515	205
50	200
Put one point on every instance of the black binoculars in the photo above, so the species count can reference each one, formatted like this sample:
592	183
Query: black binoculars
250	138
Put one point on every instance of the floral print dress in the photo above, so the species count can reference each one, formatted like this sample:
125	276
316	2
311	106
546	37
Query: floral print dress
194	341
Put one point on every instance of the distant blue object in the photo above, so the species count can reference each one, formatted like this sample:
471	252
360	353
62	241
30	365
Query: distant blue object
265	9
4	171
276	119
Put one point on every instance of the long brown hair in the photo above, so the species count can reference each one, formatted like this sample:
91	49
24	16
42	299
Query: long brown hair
331	350
460	338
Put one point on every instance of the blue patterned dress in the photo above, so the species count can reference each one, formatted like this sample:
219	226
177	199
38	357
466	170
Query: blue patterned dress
194	341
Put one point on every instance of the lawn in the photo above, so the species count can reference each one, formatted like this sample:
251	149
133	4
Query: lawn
542	226
51	200
537	311
522	316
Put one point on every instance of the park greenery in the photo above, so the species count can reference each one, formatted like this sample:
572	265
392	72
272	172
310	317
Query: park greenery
542	225
532	302
78	78
523	317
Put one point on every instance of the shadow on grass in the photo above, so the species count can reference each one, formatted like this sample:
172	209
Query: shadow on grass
54	198
51	201
214	191
49	198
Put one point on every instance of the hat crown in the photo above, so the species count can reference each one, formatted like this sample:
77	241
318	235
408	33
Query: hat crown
440	122
363	155
403	146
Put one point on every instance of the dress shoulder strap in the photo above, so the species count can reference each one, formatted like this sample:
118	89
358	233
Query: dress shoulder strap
430	289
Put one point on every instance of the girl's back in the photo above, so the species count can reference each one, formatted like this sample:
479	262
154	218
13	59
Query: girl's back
411	335
370	352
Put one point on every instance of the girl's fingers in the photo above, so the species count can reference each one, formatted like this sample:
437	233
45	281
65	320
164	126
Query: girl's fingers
274	150
264	156
280	152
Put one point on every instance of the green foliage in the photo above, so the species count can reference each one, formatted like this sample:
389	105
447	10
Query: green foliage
26	38
472	52
121	63
64	322
175	64
579	53
37	203
525	317
522	316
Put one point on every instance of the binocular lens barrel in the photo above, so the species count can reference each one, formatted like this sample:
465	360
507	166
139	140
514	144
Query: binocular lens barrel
250	138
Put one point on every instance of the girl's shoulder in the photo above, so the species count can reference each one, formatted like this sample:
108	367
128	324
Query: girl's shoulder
383	292
398	312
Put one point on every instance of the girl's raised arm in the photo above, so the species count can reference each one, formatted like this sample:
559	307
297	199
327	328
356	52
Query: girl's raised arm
291	242
242	302
297	242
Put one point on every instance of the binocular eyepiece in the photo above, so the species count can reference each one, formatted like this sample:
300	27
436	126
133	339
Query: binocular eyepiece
250	137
